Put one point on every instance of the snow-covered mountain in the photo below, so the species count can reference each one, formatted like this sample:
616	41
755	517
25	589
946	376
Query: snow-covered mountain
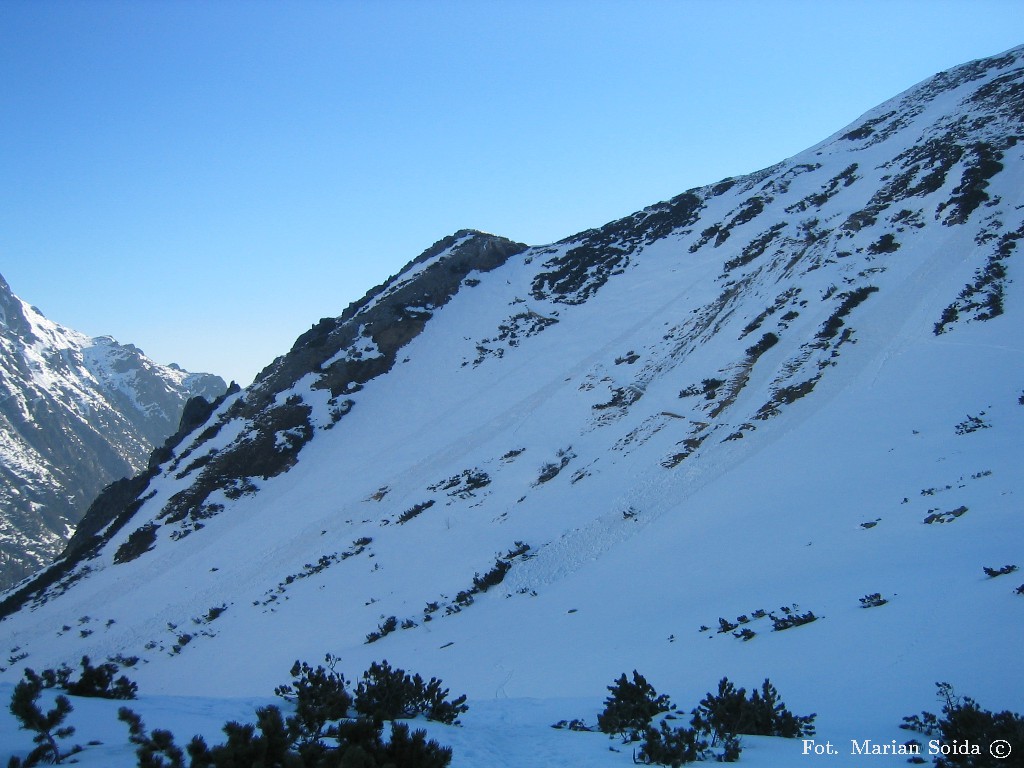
790	403
75	414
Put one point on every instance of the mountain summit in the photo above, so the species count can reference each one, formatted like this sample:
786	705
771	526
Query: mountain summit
770	427
75	414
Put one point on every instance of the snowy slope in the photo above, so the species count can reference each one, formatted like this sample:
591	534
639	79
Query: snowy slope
783	393
75	413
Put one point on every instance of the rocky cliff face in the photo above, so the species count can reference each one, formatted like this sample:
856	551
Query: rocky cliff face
75	414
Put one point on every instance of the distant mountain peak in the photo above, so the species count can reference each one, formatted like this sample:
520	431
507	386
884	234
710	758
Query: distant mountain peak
75	413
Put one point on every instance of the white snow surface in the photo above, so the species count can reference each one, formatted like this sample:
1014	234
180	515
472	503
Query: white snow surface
668	513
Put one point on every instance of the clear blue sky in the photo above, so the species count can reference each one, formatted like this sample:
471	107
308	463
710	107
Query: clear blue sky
208	179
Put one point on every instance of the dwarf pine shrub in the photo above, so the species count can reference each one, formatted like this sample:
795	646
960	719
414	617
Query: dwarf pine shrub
47	726
389	694
965	722
330	728
630	707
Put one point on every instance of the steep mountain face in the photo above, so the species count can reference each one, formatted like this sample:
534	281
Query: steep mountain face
688	442
75	414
